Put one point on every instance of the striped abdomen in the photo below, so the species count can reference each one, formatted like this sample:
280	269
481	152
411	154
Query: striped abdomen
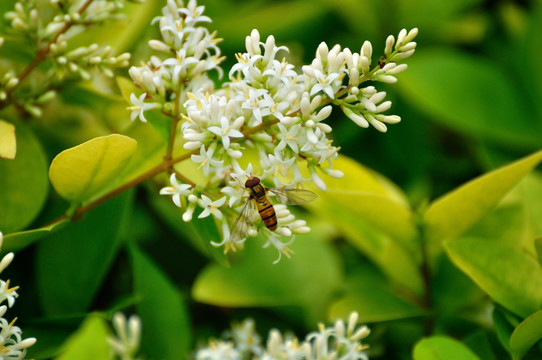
267	212
265	208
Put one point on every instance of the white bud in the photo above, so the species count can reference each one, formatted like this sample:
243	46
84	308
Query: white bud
236	154
389	45
368	104
386	105
401	37
302	230
318	181
389	79
284	231
12	83
158	45
192	145
337	174
323	113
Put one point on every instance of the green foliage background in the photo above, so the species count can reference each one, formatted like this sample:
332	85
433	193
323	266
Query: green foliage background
408	238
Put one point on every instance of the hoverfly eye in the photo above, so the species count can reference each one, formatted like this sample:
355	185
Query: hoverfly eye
253	181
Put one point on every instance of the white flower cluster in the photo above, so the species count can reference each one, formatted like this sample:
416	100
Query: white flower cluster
12	346
125	344
339	341
266	110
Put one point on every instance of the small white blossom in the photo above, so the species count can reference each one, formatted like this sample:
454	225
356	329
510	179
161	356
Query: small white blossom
211	207
206	159
140	106
176	189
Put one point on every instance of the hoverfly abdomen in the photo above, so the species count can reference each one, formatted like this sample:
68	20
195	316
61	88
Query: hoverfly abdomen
267	213
265	208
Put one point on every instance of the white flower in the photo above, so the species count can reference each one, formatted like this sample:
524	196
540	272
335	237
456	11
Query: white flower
225	131
126	343
288	137
282	248
206	159
218	350
211	207
325	83
140	106
177	190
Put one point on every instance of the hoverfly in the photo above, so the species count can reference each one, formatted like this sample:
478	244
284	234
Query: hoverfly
258	197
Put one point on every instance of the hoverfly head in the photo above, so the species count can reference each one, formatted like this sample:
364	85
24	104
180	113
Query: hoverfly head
252	181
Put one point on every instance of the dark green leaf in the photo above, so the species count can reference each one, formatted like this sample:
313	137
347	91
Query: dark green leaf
23	182
471	95
166	328
72	263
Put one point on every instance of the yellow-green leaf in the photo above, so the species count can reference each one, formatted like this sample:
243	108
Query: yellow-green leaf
505	272
89	342
526	334
85	170
442	348
455	212
8	142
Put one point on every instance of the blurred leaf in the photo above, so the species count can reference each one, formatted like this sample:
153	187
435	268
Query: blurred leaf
160	122
481	102
251	15
526	334
442	348
71	263
448	281
89	342
538	246
307	280
166	327
527	60
455	212
374	302
150	151
8	141
511	277
479	343
200	232
19	240
375	217
85	170
503	328
23	183
126	87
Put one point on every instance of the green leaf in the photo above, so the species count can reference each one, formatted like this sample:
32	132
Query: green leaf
503	328
23	183
166	327
19	240
307	280
200	232
479	343
72	263
538	246
8	141
505	272
374	302
442	348
83	171
375	217
89	342
455	212
481	102
526	334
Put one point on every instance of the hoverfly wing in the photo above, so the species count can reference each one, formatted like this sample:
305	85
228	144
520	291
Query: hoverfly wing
293	196
243	222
